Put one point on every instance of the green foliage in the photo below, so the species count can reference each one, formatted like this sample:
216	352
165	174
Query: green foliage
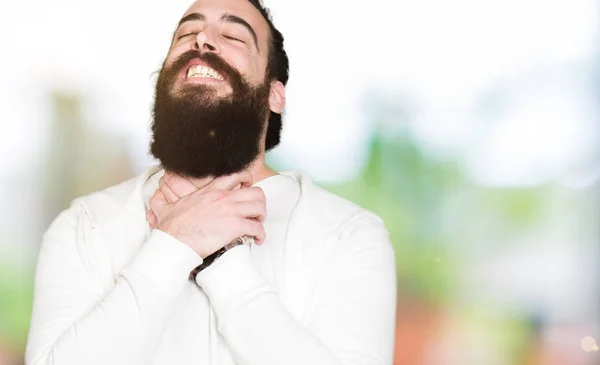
434	213
16	296
407	189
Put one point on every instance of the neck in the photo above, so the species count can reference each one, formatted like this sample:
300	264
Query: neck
260	170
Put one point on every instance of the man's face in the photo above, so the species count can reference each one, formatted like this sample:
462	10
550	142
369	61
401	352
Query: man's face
234	30
212	97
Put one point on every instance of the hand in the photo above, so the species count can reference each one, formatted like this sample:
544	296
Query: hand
174	187
207	214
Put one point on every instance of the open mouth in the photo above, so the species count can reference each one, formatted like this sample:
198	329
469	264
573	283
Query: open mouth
203	72
198	70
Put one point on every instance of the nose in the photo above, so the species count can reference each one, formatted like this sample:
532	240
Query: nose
206	41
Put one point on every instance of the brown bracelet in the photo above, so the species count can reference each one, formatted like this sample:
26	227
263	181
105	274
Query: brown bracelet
211	258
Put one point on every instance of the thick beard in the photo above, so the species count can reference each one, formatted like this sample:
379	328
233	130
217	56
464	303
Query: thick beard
197	135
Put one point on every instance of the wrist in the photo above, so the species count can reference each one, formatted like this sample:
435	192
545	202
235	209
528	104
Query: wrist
186	240
208	260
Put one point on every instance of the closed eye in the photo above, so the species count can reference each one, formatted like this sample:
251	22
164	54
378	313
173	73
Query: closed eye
185	35
234	39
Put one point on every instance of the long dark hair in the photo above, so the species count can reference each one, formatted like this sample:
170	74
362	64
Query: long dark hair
278	68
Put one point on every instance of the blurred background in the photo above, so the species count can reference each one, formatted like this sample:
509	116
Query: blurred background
471	127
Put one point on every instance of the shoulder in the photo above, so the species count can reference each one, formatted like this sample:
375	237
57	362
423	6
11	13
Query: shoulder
338	237
329	214
103	206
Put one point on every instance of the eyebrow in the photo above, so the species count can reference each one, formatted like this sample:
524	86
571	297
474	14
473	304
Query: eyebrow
227	18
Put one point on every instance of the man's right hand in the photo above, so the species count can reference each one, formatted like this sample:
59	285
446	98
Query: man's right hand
212	216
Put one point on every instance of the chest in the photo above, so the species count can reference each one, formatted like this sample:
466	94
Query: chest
191	336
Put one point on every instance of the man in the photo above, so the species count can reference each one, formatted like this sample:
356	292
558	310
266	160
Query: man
213	258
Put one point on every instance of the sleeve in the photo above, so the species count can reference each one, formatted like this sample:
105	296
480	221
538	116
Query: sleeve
353	311
73	323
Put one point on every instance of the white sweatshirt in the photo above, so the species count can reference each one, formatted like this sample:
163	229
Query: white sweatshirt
110	292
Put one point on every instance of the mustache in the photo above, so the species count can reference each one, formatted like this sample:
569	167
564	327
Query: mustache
210	59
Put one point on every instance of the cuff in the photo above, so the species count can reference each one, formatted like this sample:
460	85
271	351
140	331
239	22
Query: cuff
231	276
165	262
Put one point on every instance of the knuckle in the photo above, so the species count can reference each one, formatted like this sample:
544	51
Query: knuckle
222	195
261	192
214	195
257	227
258	193
155	198
163	189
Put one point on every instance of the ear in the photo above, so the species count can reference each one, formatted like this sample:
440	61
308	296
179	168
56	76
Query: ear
277	97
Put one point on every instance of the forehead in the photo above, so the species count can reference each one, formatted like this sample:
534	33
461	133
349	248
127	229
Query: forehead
213	9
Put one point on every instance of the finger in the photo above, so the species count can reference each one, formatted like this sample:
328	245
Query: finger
230	182
199	183
253	228
157	201
248	180
167	192
248	194
180	186
152	219
252	209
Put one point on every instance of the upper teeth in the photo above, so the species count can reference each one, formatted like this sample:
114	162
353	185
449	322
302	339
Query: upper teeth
203	71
